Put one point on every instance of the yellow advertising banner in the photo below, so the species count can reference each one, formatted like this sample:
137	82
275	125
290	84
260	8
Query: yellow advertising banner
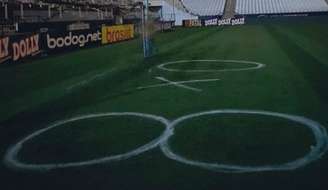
112	34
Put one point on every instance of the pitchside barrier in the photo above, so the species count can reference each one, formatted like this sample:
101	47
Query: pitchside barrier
167	25
304	18
53	42
18	48
258	19
191	23
214	21
113	34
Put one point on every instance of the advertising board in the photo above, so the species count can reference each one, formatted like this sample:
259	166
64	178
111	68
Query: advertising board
16	48
112	34
192	23
19	47
71	40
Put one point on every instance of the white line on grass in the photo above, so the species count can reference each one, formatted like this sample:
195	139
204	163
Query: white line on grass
257	66
315	153
179	85
12	161
178	82
86	81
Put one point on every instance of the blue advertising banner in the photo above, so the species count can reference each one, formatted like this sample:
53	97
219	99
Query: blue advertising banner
60	42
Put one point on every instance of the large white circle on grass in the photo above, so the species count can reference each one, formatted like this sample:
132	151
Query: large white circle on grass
12	161
319	133
256	65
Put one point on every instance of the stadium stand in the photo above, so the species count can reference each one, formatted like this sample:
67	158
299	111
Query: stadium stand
172	10
63	10
229	10
21	16
204	7
253	7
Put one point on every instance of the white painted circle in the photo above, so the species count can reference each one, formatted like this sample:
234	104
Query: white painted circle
315	153
256	66
12	161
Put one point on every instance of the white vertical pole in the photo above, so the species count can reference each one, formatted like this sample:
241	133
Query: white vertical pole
22	11
49	11
6	11
143	29
174	10
60	12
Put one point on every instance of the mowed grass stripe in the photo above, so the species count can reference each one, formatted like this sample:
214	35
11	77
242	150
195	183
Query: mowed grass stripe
312	69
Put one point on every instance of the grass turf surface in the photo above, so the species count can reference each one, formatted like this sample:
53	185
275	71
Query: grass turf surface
105	79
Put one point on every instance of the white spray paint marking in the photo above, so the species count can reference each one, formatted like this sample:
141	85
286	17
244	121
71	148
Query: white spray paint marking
178	82
315	153
84	82
257	66
179	85
12	161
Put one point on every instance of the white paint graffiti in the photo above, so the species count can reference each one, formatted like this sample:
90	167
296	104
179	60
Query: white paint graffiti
316	152
12	161
180	84
256	66
91	79
319	133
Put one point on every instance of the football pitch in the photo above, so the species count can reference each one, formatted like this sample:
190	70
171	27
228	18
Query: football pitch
241	107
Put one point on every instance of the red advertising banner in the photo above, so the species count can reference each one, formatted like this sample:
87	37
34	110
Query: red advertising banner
17	48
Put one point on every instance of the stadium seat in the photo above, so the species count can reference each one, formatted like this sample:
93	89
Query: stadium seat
249	7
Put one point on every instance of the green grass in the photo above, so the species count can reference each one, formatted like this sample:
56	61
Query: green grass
241	139
72	142
294	81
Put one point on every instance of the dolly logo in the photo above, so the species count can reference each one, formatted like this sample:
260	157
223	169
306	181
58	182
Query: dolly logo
26	47
211	22
4	49
233	22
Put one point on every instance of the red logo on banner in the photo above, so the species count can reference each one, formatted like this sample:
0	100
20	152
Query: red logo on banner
26	47
4	49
